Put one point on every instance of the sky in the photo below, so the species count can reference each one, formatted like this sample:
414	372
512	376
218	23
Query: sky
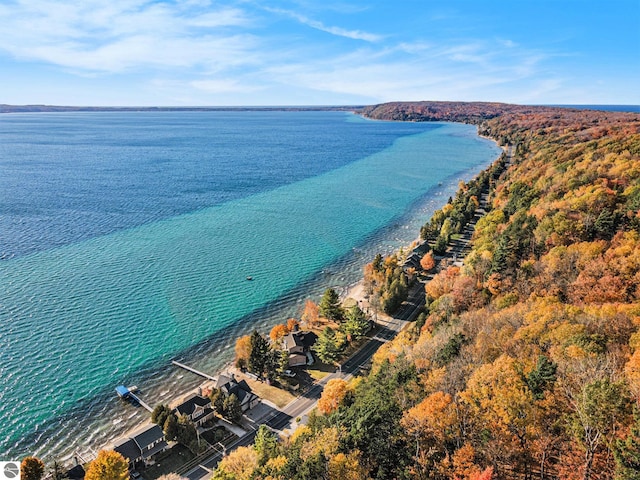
318	52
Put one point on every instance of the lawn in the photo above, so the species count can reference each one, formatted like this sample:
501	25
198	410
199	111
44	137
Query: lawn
319	370
169	461
275	395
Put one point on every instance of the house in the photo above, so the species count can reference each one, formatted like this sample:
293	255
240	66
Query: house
298	344
197	408
229	385
141	445
129	449
150	440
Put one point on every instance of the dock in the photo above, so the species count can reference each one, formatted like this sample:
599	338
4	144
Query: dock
128	393
193	370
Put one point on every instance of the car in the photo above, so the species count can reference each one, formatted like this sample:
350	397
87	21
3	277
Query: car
135	475
289	373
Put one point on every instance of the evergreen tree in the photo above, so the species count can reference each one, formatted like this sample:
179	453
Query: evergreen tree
217	397
356	323
259	356
542	377
265	444
605	225
330	305
328	346
170	427
160	414
232	408
627	451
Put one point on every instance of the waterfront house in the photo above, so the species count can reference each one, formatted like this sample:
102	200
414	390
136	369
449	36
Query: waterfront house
197	408
129	449
150	441
229	385
297	344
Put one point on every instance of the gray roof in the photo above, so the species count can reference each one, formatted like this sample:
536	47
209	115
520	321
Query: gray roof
189	405
223	380
148	435
128	449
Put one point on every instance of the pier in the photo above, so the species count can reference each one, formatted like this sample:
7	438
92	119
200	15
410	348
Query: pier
193	370
127	393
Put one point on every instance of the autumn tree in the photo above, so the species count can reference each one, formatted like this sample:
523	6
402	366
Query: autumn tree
427	262
333	394
311	314
31	468
347	467
243	351
278	332
108	465
238	465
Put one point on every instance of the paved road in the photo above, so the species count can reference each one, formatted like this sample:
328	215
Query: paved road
308	400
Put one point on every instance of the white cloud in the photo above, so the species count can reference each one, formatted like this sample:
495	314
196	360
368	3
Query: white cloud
338	31
124	34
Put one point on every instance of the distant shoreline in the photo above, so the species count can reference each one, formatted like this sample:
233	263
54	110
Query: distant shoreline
359	109
69	109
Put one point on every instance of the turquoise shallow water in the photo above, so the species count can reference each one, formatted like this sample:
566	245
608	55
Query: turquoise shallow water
81	318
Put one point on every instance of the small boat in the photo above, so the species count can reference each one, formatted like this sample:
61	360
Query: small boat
249	278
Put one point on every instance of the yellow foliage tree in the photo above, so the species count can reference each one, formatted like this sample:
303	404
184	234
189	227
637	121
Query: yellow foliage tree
332	396
347	467
243	349
108	465
239	464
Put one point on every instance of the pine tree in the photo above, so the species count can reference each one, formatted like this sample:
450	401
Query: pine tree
258	358
330	305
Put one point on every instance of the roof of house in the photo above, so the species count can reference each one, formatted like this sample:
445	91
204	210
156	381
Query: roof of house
299	339
292	340
243	391
157	448
148	435
189	405
76	472
128	448
223	380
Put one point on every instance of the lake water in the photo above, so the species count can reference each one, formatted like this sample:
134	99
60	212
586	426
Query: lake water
126	240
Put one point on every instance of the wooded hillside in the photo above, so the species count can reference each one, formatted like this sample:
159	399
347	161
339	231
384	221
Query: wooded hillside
527	364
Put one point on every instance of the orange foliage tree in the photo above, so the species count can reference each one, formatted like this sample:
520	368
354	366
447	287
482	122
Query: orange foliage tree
243	350
333	394
311	314
427	262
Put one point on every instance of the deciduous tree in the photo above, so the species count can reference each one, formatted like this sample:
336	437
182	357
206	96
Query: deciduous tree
31	468
333	394
108	465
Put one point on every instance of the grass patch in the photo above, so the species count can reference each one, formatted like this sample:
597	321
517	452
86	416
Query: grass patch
319	370
275	395
169	461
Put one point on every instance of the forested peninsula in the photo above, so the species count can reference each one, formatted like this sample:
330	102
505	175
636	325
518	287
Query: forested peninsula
526	361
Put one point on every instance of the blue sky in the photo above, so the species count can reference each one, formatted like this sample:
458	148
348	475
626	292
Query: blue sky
311	52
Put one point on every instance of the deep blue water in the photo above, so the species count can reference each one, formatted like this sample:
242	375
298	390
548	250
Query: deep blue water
127	238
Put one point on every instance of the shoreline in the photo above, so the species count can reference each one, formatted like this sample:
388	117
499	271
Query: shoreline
224	349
